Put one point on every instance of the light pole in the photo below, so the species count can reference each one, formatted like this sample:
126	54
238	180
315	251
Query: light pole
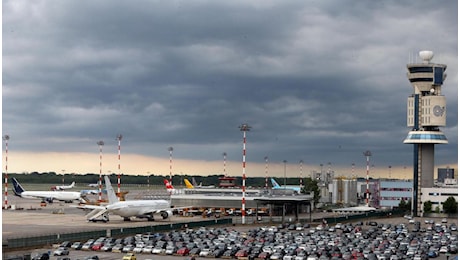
367	154
170	149
284	161
244	128
6	138
225	162
119	137
301	174
266	172
100	144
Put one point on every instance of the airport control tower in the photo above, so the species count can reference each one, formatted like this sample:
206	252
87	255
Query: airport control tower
426	112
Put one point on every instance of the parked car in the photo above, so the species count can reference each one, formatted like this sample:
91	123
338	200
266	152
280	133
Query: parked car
61	251
76	245
41	256
183	251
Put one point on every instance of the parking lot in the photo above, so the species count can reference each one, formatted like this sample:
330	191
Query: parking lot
386	238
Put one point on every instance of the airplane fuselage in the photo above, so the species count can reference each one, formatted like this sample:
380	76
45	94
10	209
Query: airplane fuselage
133	208
55	195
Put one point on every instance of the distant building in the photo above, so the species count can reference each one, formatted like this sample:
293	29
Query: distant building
445	173
344	191
438	195
392	192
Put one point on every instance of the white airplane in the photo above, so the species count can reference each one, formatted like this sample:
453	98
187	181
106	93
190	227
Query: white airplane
48	196
127	209
63	187
94	185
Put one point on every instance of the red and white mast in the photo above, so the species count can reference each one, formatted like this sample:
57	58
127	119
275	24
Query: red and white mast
367	154
119	137
6	138
266	172
100	144
244	128
170	149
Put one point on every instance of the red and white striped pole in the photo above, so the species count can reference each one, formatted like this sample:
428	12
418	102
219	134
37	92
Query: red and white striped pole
100	144
367	154
225	162
119	137
170	149
244	128
301	174
6	138
266	172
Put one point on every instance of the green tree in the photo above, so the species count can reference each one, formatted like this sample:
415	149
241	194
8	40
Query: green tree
312	186
450	205
405	205
427	206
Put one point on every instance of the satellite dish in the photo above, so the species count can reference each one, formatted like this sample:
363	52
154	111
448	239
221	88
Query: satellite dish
426	55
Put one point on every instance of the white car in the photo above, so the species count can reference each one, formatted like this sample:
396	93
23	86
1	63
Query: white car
157	250
205	252
148	249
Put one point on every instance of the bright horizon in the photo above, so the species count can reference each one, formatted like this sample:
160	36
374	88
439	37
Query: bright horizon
133	164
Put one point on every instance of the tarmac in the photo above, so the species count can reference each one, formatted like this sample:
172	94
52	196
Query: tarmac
30	219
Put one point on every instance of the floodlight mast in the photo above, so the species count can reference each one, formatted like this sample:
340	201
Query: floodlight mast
244	128
170	149
284	161
367	154
100	144
119	137
301	174
6	138
266	172
225	162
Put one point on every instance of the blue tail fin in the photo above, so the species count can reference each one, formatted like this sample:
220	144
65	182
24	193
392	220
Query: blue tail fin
17	188
274	183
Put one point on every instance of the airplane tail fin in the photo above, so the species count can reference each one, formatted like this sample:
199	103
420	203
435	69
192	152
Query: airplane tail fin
17	188
110	192
168	185
274	183
72	185
194	181
188	184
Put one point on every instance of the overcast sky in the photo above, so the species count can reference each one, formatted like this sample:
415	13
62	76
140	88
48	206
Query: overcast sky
318	81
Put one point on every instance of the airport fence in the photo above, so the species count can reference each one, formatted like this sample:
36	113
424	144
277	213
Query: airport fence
13	244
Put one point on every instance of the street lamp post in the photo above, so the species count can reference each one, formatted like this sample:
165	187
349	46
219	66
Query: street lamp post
244	128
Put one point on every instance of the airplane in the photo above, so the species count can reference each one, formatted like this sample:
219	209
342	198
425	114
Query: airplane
94	185
92	192
189	185
276	186
127	209
63	187
46	196
169	187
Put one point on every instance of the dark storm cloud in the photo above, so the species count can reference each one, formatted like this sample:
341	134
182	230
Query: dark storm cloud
319	81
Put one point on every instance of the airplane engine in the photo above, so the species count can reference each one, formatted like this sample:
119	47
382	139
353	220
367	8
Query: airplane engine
166	214
49	200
